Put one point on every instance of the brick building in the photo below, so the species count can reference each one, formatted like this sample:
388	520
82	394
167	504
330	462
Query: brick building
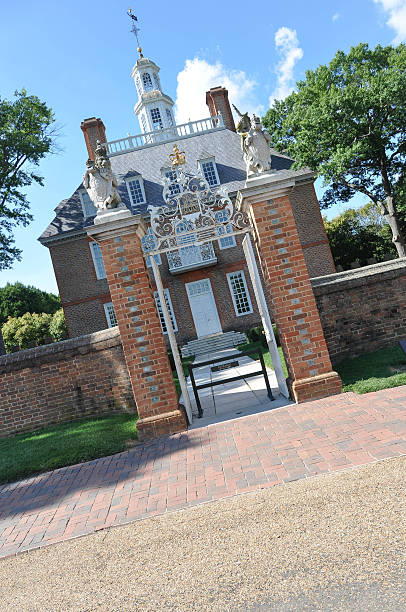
207	288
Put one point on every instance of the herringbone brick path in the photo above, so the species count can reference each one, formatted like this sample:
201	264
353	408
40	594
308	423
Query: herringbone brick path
199	465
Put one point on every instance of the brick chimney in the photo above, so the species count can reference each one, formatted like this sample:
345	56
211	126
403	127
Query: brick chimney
93	130
217	101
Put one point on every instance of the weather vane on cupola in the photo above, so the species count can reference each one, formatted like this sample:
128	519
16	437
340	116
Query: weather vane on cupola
134	29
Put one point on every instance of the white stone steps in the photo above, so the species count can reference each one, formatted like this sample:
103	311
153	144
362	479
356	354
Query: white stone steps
212	344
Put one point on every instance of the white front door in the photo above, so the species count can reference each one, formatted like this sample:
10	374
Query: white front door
203	307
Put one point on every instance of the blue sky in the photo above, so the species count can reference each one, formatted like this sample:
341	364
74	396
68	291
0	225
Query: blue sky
78	56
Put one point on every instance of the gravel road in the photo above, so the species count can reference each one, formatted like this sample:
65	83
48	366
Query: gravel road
335	542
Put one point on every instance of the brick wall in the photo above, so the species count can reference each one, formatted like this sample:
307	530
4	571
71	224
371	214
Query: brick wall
84	376
82	294
363	309
310	227
228	260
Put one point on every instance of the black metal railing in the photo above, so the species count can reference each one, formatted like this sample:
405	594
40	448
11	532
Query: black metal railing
222	381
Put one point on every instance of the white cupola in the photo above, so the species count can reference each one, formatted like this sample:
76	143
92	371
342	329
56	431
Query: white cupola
154	109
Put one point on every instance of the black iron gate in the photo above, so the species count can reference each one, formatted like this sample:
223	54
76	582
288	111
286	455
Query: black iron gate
225	366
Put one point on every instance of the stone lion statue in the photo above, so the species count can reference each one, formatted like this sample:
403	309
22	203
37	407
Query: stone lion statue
100	182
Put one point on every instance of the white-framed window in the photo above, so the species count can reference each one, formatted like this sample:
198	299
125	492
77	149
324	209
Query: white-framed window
161	314
110	314
135	188
138	85
156	119
174	187
147	82
156	80
97	260
225	242
239	293
169	117
209	170
88	208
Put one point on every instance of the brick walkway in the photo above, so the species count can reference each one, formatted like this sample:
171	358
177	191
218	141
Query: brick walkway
201	465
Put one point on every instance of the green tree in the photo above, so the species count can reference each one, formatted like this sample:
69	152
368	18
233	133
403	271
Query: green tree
347	122
16	299
26	136
26	331
359	234
57	326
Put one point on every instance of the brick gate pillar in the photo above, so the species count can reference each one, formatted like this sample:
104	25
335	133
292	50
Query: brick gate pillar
119	234
266	201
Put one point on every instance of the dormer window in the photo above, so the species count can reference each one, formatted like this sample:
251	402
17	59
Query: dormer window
135	188
88	208
156	119
208	167
146	79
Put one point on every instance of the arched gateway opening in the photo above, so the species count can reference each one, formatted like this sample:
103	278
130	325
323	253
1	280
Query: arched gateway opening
193	216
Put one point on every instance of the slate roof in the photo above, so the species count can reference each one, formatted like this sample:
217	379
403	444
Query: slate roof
223	145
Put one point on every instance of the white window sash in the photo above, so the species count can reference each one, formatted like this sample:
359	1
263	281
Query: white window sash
229	276
206	161
170	308
108	306
141	184
98	263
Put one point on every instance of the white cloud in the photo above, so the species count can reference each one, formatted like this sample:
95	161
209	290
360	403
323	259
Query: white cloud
287	45
397	17
198	76
335	17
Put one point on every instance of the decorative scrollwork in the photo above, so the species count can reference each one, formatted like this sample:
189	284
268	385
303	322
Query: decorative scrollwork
190	199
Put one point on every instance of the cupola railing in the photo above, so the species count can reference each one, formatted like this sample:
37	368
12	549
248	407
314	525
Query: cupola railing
177	132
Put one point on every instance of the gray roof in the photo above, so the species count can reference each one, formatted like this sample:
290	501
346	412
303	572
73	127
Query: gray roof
224	145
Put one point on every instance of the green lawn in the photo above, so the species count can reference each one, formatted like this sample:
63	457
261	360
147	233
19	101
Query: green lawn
373	371
64	444
267	357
